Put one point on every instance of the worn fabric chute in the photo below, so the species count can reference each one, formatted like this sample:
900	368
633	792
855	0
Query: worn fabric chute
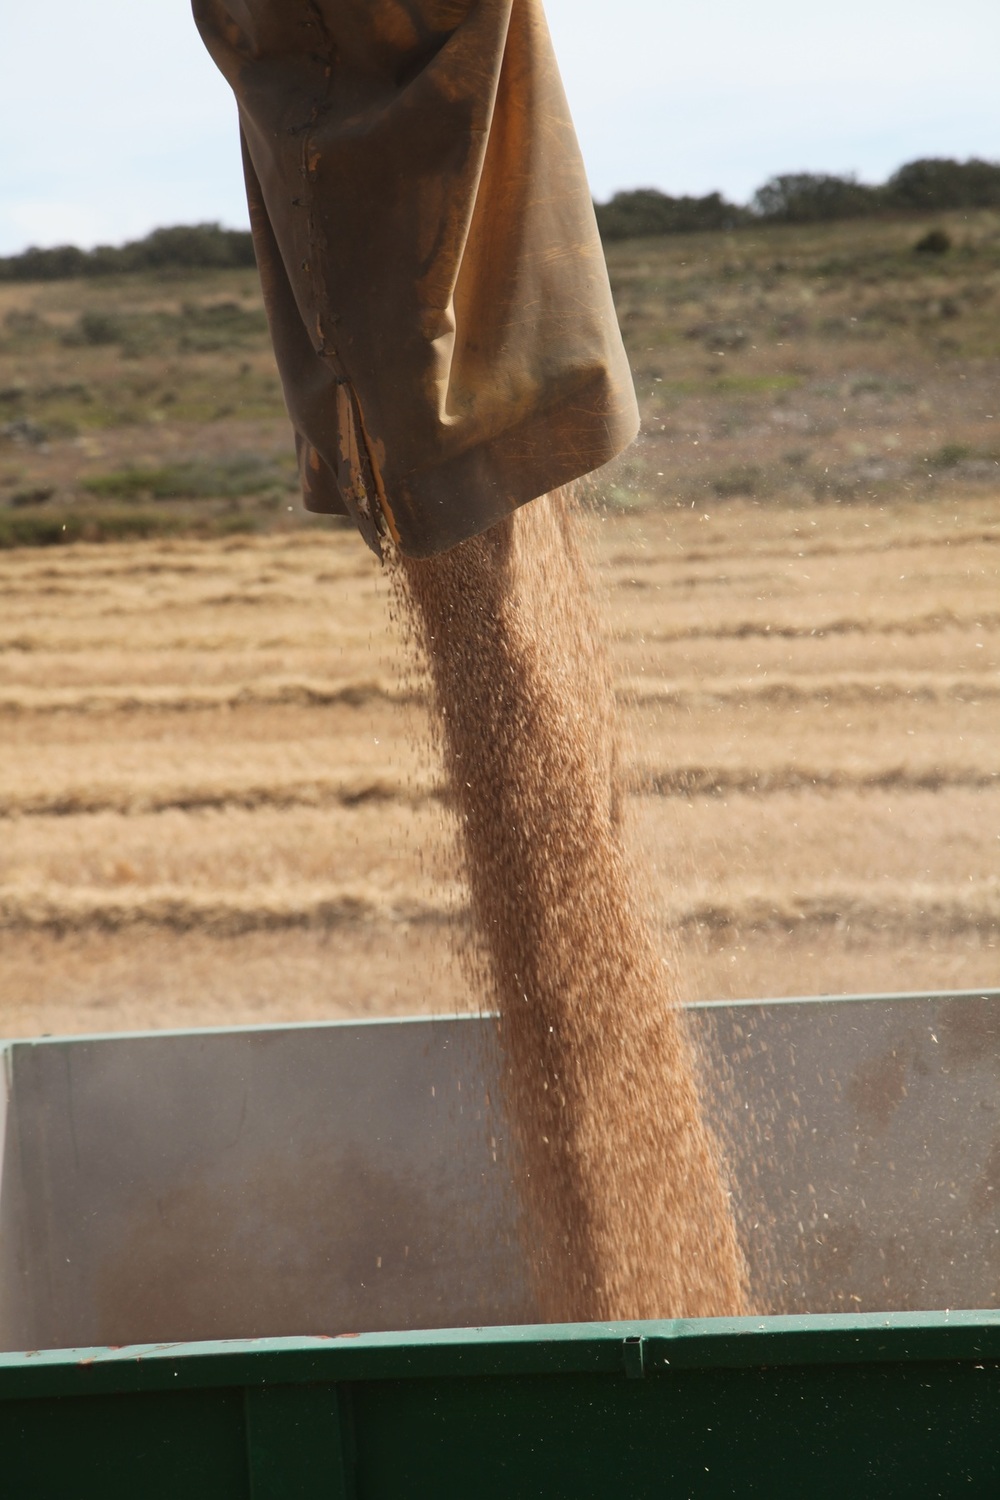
432	272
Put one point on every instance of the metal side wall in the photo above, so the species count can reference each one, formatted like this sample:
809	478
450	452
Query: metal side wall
353	1178
259	1183
15	1322
865	1140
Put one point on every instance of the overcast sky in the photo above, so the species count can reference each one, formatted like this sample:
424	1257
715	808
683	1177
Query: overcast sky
113	120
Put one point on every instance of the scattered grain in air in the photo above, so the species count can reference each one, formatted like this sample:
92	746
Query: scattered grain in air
624	1203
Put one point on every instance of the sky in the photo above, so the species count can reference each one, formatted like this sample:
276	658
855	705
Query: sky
113	119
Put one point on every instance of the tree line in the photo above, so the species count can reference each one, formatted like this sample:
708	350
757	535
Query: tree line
930	185
182	247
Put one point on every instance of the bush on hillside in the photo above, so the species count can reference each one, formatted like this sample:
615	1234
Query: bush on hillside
644	211
940	183
814	197
934	242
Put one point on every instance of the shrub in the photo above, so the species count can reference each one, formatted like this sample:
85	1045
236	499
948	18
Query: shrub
940	183
950	455
99	328
934	242
814	197
743	479
647	211
35	496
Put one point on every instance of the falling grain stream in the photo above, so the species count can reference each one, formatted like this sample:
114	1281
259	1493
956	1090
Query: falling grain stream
625	1205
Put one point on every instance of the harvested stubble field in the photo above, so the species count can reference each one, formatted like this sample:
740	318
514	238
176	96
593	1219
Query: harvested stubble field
216	802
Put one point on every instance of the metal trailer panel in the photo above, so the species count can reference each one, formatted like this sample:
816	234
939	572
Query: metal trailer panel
255	1183
322	1179
865	1135
184	1187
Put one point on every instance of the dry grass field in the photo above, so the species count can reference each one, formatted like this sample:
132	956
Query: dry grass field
217	802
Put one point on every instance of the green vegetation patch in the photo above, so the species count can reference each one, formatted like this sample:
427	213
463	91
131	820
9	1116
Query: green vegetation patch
196	479
950	455
741	479
758	384
52	528
195	328
218	325
960	455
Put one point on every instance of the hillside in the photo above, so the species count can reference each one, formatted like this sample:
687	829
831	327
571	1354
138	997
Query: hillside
784	363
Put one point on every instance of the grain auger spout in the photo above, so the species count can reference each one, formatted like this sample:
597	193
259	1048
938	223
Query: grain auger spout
432	272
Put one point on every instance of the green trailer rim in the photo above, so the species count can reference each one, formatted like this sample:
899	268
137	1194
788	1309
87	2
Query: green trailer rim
642	1349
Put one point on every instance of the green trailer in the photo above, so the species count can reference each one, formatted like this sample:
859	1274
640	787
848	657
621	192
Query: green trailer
285	1262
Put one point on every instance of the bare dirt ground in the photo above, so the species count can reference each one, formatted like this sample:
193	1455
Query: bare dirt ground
217	805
